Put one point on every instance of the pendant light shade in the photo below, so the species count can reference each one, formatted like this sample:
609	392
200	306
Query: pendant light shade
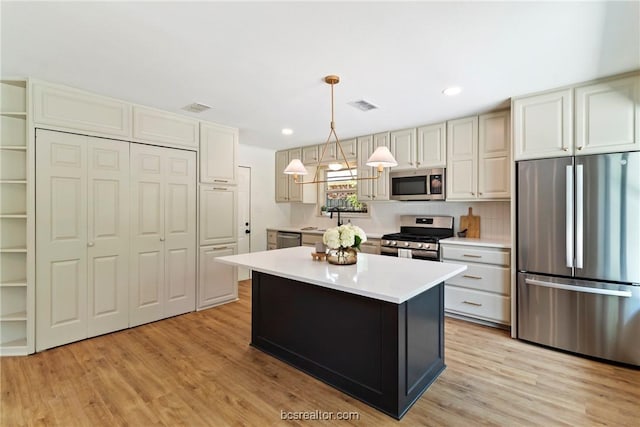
382	158
295	167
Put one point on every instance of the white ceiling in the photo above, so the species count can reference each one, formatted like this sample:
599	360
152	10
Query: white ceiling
261	65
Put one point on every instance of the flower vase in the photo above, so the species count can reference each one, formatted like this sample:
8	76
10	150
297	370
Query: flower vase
342	256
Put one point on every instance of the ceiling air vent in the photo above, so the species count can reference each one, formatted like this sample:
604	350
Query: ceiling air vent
196	107
363	105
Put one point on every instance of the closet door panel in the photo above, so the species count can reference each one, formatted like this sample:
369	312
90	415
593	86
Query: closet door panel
146	278
180	232
61	238
108	236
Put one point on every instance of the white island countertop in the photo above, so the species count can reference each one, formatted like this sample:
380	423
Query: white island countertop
380	277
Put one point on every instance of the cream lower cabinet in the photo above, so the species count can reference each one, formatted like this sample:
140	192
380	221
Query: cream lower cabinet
82	239
272	240
482	292
218	216
218	282
163	233
371	246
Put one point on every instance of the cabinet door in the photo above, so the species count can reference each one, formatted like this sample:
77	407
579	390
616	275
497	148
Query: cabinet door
147	270
350	150
494	147
431	146
108	236
282	180
162	127
217	214
61	240
380	186
218	282
608	116
403	148
462	155
543	125
76	109
365	149
295	190
218	147
180	231
310	155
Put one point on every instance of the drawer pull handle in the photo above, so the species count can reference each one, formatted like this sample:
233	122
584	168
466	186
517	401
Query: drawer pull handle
472	303
468	276
472	256
220	180
220	188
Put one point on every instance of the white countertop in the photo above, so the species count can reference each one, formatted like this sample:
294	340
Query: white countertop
380	277
489	243
321	231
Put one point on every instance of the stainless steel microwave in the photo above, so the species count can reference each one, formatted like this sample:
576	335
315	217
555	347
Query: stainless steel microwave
419	184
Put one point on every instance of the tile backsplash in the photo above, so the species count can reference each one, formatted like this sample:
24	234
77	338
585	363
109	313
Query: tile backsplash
495	221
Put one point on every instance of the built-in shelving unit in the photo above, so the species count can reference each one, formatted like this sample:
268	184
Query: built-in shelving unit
14	328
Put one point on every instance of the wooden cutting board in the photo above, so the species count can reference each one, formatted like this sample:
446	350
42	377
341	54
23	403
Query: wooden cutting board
471	223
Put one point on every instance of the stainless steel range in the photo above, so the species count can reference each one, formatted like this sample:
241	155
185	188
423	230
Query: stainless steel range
418	238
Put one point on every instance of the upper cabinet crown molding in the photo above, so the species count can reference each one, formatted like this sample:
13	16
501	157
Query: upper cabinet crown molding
159	126
69	108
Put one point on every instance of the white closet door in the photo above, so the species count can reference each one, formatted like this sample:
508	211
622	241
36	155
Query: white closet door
61	240
108	235
146	284
180	231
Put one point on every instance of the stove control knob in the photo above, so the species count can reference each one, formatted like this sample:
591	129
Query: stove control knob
394	243
386	242
406	244
419	245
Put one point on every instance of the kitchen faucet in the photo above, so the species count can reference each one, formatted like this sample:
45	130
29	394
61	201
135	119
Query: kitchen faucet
336	209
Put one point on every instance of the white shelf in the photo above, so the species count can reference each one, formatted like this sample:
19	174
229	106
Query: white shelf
14	113
17	284
22	342
13	250
13	216
13	181
14	317
13	147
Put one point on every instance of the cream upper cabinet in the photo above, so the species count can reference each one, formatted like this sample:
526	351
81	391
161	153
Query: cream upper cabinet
431	146
287	190
494	156
218	217
543	125
350	149
150	125
69	108
372	189
608	116
462	155
218	153
310	155
478	157
403	148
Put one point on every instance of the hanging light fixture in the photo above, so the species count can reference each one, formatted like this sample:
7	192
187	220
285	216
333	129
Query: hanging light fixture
380	159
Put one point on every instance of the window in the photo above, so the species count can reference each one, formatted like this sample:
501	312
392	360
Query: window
341	192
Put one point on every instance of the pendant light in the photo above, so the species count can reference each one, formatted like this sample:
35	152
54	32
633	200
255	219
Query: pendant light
380	159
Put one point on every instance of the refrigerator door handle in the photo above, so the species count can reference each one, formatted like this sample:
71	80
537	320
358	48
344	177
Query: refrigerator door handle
569	216
579	215
609	292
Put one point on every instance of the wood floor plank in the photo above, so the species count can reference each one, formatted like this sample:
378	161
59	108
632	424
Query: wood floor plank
199	370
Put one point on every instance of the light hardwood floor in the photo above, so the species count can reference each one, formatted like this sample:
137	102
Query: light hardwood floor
198	369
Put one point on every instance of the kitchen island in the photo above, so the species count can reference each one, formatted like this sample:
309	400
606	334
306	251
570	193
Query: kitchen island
374	330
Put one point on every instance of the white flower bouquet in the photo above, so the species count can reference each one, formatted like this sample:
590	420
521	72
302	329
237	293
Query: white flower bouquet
344	236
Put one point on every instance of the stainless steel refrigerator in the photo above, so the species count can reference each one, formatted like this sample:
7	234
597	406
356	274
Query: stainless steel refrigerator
578	251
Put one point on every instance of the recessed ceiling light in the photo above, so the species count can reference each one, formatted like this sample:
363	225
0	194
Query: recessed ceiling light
450	91
287	131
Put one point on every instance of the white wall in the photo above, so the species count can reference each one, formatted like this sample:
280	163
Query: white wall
265	212
385	216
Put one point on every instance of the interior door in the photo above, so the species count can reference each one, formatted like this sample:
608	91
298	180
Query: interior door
180	231
61	238
147	270
108	235
243	175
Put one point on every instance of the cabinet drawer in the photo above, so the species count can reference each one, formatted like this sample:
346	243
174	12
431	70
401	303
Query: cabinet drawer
483	255
483	278
371	246
272	237
483	305
311	239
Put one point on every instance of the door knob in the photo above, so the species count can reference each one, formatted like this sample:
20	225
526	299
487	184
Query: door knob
90	244
162	239
247	231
